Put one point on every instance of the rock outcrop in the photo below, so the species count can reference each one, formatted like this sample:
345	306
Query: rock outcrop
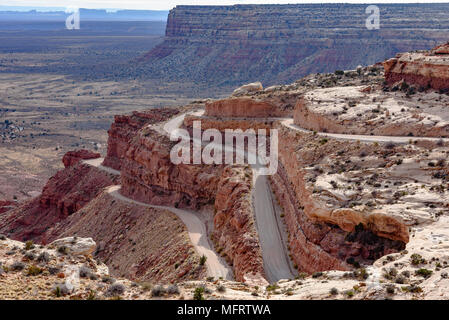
248	88
280	43
73	157
149	175
138	243
75	246
235	233
322	235
35	272
374	110
242	107
424	69
125	127
65	193
271	102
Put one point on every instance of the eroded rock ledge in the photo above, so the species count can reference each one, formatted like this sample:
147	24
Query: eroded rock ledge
66	192
235	234
148	174
371	110
426	69
125	127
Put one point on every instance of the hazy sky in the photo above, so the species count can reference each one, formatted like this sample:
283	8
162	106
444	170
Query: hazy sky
168	4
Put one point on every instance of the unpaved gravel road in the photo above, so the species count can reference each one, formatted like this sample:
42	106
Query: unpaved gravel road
277	264
197	232
196	228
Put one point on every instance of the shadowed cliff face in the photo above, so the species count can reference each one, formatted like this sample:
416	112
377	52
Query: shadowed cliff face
280	43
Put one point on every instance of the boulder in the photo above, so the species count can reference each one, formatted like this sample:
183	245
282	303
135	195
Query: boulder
248	88
75	245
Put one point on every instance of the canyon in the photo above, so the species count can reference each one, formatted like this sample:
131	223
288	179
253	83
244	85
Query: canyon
358	207
232	45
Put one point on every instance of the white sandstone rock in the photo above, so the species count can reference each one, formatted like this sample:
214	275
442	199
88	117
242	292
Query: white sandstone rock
75	245
247	88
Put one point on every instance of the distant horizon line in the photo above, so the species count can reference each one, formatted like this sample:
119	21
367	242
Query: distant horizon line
53	9
113	10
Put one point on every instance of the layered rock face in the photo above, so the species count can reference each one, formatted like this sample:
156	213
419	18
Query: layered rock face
426	69
65	193
243	107
323	235
235	234
125	127
280	43
149	175
73	157
228	124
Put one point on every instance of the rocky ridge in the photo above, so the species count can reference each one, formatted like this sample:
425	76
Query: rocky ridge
363	218
425	69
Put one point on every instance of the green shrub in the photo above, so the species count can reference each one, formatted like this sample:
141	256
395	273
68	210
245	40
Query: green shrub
43	257
272	287
349	293
146	286
158	291
417	259
413	289
29	245
198	293
173	289
424	272
63	250
203	260
34	271
92	295
390	289
17	266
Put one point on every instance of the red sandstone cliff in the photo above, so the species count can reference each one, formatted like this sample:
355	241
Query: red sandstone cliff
429	69
148	174
125	127
248	107
73	157
318	235
6	205
65	193
235	234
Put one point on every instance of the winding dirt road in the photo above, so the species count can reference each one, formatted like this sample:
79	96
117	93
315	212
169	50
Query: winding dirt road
197	232
363	138
98	164
277	263
196	228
